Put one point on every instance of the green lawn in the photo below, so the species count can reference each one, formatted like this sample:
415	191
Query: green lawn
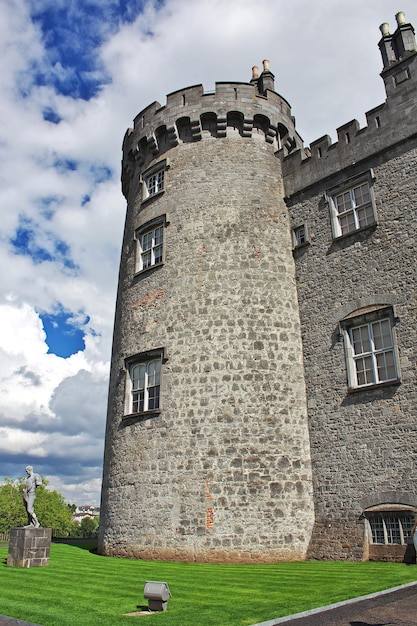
81	588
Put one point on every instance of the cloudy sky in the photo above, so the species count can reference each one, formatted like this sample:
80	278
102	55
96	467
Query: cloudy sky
74	74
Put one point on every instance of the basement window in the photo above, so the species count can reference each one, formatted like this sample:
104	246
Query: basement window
390	527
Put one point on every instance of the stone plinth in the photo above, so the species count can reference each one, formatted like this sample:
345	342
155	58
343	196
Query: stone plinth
29	547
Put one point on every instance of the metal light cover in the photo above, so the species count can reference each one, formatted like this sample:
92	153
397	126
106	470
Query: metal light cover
157	593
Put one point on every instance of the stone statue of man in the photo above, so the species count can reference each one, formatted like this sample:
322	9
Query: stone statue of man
29	494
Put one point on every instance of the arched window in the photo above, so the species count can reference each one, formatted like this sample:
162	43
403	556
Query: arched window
390	526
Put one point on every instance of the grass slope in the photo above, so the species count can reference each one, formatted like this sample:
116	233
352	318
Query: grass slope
81	588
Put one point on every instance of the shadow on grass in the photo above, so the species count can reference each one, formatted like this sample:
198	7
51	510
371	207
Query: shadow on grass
84	544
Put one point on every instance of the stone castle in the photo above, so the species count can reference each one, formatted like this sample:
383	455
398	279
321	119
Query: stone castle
263	388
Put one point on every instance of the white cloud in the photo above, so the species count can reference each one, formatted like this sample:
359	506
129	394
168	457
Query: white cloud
82	492
22	442
29	375
326	61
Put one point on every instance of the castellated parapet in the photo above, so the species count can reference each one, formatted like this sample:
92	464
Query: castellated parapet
387	124
262	399
190	114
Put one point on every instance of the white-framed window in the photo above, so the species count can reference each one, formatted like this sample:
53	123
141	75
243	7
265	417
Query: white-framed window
150	247
300	235
370	349
390	527
352	206
150	244
144	382
154	180
155	183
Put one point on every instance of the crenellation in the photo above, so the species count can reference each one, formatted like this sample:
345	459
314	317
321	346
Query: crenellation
193	104
348	131
384	130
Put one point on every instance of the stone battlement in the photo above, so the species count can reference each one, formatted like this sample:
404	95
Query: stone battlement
385	128
387	124
190	114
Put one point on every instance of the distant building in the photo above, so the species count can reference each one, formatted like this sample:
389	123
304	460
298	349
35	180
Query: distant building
263	396
86	510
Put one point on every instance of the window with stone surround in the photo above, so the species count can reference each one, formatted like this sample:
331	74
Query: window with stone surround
390	527
300	235
154	180
150	244
352	205
155	183
144	382
371	353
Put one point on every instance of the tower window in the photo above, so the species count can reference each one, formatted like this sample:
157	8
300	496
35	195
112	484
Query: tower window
154	179
155	183
144	382
352	208
370	349
150	244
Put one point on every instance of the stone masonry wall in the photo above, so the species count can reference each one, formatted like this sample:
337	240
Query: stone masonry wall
223	473
363	444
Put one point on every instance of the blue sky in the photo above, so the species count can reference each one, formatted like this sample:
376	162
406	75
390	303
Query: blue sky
73	75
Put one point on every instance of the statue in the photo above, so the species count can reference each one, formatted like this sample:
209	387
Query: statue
29	494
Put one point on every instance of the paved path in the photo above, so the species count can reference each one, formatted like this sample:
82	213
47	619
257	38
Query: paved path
396	607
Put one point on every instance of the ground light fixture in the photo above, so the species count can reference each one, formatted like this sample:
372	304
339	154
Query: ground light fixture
157	593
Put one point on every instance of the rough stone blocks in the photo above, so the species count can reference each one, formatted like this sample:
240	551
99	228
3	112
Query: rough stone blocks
29	547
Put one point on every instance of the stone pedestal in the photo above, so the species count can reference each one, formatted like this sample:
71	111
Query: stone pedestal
29	547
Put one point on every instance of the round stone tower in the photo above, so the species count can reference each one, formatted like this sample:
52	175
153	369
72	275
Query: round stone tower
207	447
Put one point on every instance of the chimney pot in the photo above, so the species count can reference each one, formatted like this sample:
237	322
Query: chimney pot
384	28
400	17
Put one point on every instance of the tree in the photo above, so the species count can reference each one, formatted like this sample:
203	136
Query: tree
89	526
12	509
50	507
53	512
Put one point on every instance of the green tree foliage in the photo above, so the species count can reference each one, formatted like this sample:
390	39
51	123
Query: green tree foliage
75	531
89	526
12	509
53	512
51	509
